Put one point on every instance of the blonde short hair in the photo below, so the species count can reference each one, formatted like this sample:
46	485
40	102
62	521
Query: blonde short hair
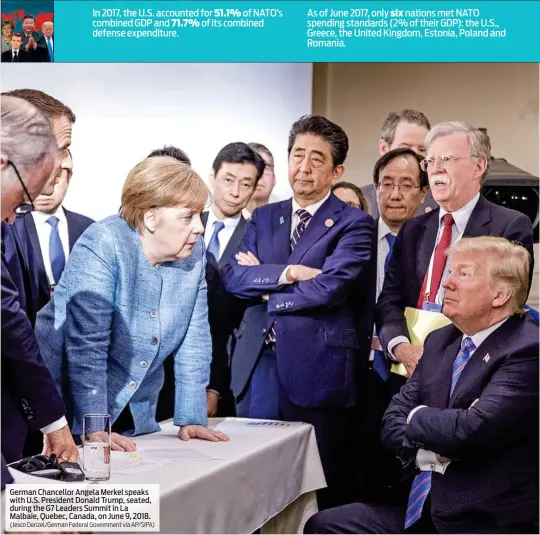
160	182
508	262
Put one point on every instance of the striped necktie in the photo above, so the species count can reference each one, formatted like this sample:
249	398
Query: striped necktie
304	216
422	482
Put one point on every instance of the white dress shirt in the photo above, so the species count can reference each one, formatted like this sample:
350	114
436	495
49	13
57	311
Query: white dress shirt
44	234
427	460
295	220
383	248
226	232
461	218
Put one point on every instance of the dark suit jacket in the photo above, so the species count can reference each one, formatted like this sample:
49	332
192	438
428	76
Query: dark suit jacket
316	321
224	311
28	251
29	397
413	248
41	52
7	56
493	481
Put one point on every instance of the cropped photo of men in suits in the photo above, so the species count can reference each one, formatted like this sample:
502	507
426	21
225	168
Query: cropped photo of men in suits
457	162
16	54
465	425
298	267
236	171
51	232
33	42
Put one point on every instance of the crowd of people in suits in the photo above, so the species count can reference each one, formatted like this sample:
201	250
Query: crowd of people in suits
292	310
29	45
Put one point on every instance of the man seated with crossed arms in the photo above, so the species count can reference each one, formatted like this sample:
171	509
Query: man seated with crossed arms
465	425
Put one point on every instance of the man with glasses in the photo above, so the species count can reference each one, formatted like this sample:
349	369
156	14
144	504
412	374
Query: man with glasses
401	186
29	156
457	162
22	250
52	232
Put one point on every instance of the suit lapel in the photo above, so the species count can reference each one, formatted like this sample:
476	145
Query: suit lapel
478	224
235	240
427	245
317	227
204	219
478	363
35	257
281	231
73	234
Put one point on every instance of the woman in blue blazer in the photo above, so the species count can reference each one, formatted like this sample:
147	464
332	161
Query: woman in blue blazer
133	293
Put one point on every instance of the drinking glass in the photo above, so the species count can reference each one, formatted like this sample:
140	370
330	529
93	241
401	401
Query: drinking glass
97	447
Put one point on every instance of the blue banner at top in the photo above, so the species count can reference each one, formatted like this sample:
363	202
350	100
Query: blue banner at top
296	31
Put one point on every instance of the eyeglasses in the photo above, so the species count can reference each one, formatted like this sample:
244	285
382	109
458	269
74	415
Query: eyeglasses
405	189
25	207
443	163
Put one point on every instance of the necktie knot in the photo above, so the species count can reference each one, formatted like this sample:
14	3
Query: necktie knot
448	220
391	239
218	226
53	221
304	215
467	346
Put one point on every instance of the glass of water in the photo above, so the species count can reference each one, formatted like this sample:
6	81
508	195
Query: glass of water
97	447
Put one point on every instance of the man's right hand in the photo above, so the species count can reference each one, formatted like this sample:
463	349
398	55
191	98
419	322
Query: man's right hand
299	273
408	355
60	442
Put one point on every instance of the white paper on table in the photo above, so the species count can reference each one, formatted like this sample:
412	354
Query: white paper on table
171	452
251	425
130	463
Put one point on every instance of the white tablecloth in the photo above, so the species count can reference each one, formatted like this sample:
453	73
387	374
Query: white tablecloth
264	477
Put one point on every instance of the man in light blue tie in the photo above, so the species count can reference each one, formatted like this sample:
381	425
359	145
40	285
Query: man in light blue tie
465	425
48	28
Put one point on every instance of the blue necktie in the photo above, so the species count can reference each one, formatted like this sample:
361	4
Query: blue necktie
56	250
379	360
422	482
391	239
49	46
213	246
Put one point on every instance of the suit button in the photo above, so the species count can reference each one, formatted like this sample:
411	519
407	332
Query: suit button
153	313
143	364
154	340
132	384
263	331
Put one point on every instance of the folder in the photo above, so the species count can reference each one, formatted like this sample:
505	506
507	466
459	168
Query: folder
419	324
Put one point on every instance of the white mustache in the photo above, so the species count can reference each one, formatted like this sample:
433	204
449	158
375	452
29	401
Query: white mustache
440	179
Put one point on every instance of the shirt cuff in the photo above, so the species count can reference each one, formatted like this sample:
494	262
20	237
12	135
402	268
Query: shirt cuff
393	343
283	279
427	462
55	426
413	411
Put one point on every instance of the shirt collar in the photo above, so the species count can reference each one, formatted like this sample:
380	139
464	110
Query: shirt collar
312	208
461	216
42	217
480	336
383	230
229	222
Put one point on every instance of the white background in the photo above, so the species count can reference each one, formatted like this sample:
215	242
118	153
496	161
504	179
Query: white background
124	111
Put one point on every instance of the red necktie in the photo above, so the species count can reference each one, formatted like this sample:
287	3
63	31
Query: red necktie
439	262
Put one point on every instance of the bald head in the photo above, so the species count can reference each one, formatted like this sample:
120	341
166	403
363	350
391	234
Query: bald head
28	148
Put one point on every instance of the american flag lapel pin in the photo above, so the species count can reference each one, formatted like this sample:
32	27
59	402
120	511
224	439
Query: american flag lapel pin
486	358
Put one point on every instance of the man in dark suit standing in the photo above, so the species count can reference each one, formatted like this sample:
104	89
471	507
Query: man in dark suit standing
457	162
16	54
51	232
236	171
299	266
465	425
400	186
33	42
29	398
21	253
48	35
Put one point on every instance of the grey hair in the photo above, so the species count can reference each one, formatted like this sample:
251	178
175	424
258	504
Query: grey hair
479	143
26	135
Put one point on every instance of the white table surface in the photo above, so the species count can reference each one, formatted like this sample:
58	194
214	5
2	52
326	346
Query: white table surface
264	477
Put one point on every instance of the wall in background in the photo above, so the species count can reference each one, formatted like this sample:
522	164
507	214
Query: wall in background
498	96
124	111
